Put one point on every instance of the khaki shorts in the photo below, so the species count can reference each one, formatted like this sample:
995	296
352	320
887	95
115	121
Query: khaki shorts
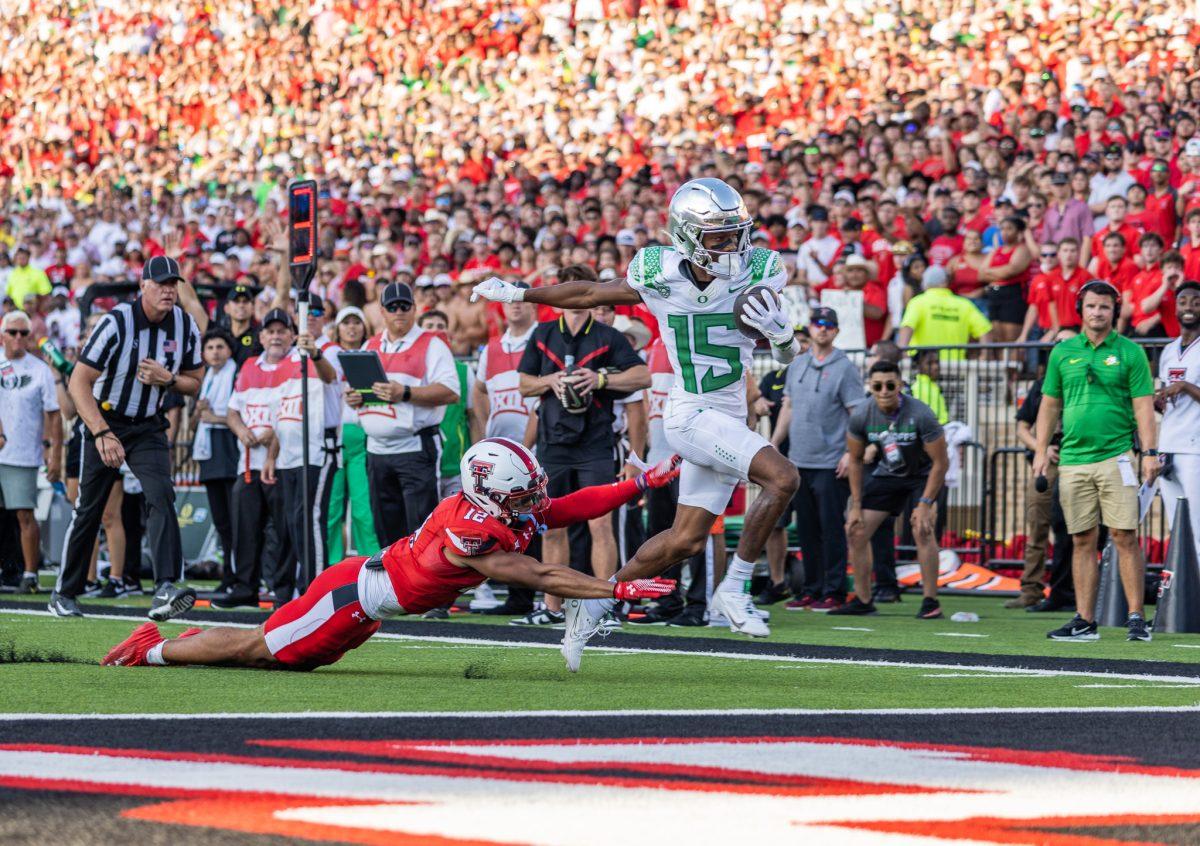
1096	493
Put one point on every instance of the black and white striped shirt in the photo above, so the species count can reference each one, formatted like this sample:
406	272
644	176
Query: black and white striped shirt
125	337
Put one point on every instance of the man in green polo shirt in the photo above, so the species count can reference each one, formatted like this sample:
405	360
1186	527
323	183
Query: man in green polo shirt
1101	384
938	317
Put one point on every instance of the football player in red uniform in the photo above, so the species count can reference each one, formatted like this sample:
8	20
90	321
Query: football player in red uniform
478	534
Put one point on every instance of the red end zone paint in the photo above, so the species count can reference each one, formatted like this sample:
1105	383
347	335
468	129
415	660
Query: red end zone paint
425	791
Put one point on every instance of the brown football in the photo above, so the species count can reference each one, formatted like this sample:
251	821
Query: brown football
758	292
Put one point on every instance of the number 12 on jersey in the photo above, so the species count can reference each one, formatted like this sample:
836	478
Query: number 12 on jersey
691	340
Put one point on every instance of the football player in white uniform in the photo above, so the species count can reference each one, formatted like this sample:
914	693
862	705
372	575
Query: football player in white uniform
691	287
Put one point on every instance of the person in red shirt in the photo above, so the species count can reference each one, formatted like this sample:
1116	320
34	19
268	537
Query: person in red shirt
1115	211
1141	286
950	242
1042	315
1189	249
1139	216
1068	278
1161	203
60	273
474	535
1112	264
482	263
1158	305
975	214
858	278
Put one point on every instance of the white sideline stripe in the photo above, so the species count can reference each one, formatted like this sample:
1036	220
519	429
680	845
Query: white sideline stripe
739	656
703	712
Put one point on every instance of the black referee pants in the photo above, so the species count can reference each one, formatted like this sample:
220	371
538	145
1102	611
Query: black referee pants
149	459
404	488
254	505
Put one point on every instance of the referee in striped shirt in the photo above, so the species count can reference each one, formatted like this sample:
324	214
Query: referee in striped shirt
136	353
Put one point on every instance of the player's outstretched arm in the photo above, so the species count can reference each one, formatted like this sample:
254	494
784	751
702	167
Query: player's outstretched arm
598	500
557	580
562	295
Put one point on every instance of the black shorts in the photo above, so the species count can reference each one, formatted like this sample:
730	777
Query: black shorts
71	462
1006	304
891	493
563	479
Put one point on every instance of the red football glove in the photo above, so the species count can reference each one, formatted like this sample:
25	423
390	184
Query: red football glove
643	589
660	474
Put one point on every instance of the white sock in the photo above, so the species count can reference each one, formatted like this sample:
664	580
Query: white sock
155	656
599	607
739	570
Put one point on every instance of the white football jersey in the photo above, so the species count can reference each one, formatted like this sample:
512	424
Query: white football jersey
1180	432
708	354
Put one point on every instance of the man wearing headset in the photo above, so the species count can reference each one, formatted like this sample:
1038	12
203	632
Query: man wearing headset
1100	383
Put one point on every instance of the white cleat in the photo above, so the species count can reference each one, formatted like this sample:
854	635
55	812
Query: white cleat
737	606
580	626
485	599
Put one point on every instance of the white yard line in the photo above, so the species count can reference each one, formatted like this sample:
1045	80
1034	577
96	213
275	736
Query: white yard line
1089	673
969	676
709	712
1131	686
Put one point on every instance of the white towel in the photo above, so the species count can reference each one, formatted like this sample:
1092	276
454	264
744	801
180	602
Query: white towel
216	388
957	433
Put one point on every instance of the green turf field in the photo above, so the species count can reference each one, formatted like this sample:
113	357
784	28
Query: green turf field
1000	631
50	667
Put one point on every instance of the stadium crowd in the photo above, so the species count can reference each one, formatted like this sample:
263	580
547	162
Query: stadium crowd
909	161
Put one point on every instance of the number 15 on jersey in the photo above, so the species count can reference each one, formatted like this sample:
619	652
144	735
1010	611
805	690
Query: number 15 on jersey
694	349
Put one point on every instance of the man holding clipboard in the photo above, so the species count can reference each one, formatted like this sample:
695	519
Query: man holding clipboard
403	442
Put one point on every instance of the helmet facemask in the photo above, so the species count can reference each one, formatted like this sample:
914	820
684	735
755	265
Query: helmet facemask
726	259
520	504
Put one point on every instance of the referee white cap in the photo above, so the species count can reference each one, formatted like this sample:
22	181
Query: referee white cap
161	269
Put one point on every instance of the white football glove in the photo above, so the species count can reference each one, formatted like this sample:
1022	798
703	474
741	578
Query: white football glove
498	291
768	317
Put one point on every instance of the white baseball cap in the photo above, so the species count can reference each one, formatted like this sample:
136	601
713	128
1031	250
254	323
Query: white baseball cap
350	311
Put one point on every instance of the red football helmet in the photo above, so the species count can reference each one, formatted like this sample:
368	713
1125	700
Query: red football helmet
503	478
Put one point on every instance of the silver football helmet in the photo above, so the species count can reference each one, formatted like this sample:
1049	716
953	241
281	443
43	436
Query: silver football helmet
705	206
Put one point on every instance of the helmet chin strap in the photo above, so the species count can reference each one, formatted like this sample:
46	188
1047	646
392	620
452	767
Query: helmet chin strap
538	526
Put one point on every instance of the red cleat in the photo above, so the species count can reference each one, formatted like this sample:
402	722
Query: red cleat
131	652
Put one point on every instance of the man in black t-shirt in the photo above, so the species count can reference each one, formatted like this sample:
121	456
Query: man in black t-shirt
912	458
576	445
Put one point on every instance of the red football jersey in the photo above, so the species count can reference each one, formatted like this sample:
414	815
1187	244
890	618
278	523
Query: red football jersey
423	577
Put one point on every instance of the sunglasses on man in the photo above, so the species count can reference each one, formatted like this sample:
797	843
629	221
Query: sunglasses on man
392	308
18	333
880	387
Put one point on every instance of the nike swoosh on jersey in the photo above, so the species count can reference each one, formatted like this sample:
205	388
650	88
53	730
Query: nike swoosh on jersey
1074	360
735	290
